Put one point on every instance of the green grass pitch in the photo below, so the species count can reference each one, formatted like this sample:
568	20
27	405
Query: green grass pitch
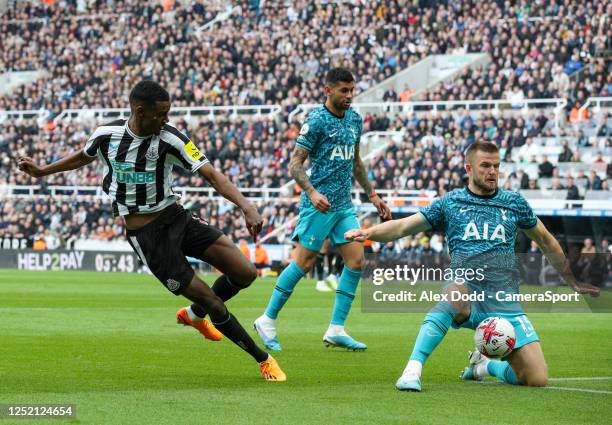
108	343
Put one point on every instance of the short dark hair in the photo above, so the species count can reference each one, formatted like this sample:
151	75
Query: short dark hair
148	92
335	75
482	146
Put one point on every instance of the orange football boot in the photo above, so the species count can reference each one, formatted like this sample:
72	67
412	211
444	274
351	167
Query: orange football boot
203	326
271	371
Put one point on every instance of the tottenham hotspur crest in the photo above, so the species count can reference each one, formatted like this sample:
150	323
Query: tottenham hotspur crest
152	154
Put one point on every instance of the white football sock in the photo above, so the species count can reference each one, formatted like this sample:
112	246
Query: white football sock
267	326
192	315
481	369
336	330
414	367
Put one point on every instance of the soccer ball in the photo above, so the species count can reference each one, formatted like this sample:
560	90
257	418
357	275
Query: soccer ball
495	337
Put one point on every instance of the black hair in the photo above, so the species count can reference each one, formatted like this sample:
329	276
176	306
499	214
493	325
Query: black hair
148	92
336	75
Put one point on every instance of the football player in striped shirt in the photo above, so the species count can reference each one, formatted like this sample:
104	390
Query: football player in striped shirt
138	155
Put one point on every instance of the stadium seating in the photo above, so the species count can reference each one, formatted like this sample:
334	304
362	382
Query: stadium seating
543	50
231	63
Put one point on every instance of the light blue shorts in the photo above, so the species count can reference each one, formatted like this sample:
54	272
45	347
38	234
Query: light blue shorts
314	227
525	333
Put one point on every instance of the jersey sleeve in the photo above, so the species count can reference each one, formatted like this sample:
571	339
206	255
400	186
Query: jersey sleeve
92	146
434	214
310	133
526	218
184	150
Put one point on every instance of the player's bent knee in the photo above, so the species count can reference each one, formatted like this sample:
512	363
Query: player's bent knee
461	315
305	264
534	378
245	277
355	264
536	381
460	307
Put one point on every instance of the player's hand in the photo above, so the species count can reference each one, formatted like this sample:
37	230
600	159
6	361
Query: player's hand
254	222
26	164
383	210
319	201
586	288
356	235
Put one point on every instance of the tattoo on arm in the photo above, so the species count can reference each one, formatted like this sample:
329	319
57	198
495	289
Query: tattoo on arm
360	173
296	168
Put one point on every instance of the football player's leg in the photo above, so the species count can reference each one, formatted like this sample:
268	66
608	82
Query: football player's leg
529	365
336	335
311	231
480	366
210	245
289	278
432	332
352	254
524	366
238	271
321	286
265	325
224	321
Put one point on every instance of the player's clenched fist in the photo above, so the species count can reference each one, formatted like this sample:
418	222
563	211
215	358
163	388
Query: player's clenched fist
319	201
356	235
26	164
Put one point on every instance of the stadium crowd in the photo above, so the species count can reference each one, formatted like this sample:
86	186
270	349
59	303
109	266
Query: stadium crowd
61	222
276	52
255	152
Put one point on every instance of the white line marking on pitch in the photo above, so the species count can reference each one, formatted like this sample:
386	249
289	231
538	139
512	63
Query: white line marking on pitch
582	390
580	378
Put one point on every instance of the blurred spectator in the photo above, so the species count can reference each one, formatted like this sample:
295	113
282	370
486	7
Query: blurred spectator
262	260
545	168
566	154
593	182
533	264
572	190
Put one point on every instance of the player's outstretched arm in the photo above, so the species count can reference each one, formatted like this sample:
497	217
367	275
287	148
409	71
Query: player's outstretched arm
70	162
296	168
554	253
361	175
390	230
254	222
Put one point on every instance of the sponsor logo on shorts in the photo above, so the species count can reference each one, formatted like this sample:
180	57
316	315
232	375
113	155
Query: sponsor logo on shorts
172	284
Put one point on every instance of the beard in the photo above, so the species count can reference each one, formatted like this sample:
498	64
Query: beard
341	106
484	187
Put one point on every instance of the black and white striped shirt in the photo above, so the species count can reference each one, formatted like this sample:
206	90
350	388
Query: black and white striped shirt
138	170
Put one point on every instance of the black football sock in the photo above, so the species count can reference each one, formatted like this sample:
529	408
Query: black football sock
198	310
223	288
231	328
